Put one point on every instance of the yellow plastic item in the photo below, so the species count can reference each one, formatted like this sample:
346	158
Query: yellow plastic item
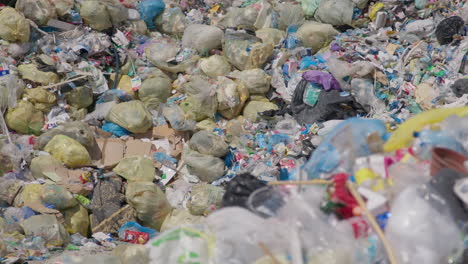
76	220
13	26
403	136
363	175
25	119
68	151
374	9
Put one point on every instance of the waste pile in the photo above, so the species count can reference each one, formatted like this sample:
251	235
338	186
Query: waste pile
240	131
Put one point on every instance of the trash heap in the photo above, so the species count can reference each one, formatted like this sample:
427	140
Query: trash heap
246	131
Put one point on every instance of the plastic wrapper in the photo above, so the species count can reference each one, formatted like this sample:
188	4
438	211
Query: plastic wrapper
204	199
202	38
182	243
253	108
76	220
270	35
344	144
136	168
215	66
316	35
256	80
14	27
232	96
132	116
42	99
310	6
150	203
101	15
132	254
207	168
24	118
209	144
43	164
201	101
47	227
155	90
240	16
68	151
403	136
176	117
9	91
62	7
245	51
30	72
39	11
149	10
172	21
428	243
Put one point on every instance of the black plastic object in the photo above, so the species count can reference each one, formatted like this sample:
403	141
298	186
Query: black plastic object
447	28
460	87
239	189
331	105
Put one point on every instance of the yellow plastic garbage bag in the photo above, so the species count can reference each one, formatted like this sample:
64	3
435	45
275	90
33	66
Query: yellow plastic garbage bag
80	97
316	35
76	220
31	73
252	109
25	119
68	151
136	168
13	26
155	90
150	203
42	165
132	116
270	35
215	66
403	136
47	227
39	11
42	99
256	80
232	96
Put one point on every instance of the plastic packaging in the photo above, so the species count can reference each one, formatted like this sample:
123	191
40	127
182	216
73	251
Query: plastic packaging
414	230
270	35
245	51
149	10
134	226
232	96
176	117
24	118
68	151
132	254
39	11
202	38
132	116
76	220
215	66
207	168
32	73
14	26
209	144
181	218
150	203
256	80
136	168
155	90
204	199
47	227
57	196
78	131
403	136
172	21
316	35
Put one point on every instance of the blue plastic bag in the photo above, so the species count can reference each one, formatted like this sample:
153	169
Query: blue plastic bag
149	10
115	129
134	226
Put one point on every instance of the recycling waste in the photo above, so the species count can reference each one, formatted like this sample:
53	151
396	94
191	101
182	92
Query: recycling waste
227	132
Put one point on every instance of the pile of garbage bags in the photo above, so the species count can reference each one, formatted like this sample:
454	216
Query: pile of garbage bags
246	131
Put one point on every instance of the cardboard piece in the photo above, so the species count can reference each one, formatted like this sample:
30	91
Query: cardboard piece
112	149
138	148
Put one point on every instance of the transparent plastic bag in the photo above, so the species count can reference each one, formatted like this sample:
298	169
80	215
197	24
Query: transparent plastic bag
209	144
132	116
80	97
180	218
149	202
136	168
68	151
245	51
47	227
8	91
155	90
290	14
176	117
335	12
39	11
232	96
201	101
316	35
206	168
240	16
57	196
76	220
132	254
202	38
172	21
77	130
215	66
270	35
13	26
253	108
256	80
